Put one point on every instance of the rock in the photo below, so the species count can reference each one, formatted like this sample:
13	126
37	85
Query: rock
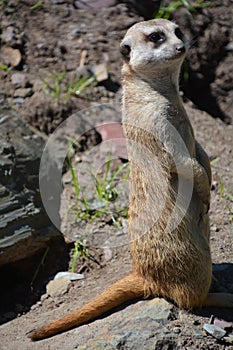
25	228
58	287
229	339
70	276
23	92
8	34
215	331
222	324
124	329
19	79
176	330
12	56
100	71
112	132
198	334
107	253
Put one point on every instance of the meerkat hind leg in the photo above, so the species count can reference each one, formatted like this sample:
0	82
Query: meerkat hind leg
219	300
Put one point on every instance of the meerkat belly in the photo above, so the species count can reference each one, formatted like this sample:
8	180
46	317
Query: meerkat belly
174	262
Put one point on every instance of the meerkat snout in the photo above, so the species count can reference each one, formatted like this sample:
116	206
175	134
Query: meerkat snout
180	49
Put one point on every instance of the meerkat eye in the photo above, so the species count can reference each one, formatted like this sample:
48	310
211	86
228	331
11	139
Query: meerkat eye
157	37
179	34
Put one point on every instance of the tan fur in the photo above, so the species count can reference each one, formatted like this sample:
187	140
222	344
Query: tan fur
169	239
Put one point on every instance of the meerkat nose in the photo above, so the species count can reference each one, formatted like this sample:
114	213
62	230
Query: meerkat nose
180	49
125	51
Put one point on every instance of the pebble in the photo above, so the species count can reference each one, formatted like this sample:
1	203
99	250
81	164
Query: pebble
198	334
8	34
223	324
229	339
19	79
44	297
12	56
100	71
18	100
34	307
215	331
176	330
23	92
107	254
70	276
58	287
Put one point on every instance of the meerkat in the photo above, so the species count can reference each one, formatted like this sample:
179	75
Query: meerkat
169	237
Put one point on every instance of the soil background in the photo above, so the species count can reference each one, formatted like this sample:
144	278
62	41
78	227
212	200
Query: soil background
57	45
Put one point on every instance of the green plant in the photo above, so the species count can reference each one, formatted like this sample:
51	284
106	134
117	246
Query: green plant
105	191
166	11
3	4
41	263
39	5
52	84
106	187
226	197
4	67
77	86
214	160
80	251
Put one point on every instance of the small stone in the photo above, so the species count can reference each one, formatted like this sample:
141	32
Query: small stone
215	331
70	276
198	334
23	92
58	287
107	254
113	132
12	56
176	330
8	34
34	307
44	297
222	324
18	100
19	79
100	71
229	339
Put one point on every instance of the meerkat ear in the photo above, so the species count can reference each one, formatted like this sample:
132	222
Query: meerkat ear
125	51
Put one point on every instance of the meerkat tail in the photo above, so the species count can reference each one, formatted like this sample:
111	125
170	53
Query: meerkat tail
219	300
126	289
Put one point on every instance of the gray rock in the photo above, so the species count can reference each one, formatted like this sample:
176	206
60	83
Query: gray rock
223	324
24	226
19	79
58	287
125	331
23	92
215	331
8	34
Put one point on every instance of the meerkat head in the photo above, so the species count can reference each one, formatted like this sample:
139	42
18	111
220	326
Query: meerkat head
153	45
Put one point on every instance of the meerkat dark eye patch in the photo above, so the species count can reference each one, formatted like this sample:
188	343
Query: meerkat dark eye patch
125	51
179	34
157	37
